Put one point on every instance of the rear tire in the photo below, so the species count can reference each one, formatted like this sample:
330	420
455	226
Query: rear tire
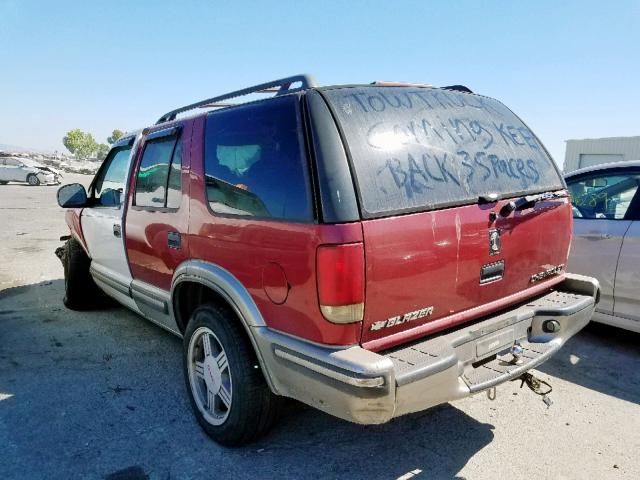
33	180
80	291
229	395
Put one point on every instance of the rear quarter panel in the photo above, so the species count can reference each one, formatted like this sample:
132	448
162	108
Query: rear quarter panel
249	249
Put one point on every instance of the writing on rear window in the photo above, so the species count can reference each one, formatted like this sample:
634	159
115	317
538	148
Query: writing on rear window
420	148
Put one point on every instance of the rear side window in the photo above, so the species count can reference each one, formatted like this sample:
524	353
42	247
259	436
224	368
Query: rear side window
254	161
604	196
158	178
416	149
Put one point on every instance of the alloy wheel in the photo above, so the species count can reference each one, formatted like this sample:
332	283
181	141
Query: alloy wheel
210	376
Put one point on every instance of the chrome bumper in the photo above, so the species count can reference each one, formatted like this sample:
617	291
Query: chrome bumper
366	387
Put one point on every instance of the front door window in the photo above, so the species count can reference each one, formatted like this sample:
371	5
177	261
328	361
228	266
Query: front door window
108	185
604	196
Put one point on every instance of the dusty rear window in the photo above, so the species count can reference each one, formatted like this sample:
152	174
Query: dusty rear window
417	149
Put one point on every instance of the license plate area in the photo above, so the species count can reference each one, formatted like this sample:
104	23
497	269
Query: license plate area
495	342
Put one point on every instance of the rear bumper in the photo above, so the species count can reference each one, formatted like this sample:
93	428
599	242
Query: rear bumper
367	387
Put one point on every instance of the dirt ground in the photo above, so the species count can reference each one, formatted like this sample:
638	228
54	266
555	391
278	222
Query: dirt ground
101	395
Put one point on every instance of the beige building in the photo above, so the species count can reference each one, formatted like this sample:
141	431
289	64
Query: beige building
595	151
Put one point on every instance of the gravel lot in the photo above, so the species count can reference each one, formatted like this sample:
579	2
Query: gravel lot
101	395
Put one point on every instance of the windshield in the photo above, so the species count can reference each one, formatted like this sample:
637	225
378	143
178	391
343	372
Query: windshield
417	149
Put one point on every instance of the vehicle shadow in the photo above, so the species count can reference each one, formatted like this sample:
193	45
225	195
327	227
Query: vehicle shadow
436	443
601	358
90	394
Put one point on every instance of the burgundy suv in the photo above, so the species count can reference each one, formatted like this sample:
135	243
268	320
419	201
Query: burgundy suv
370	250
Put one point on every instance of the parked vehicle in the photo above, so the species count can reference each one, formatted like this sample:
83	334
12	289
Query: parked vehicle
13	169
370	250
606	237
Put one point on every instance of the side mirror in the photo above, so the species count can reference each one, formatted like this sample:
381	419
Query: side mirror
72	196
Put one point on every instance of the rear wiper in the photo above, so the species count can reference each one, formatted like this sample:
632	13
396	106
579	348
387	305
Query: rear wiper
488	198
529	201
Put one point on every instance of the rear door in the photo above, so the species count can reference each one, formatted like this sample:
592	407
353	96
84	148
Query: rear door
13	171
601	204
433	170
4	171
157	219
627	299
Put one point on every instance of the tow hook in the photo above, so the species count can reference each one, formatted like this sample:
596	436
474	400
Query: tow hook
492	393
537	386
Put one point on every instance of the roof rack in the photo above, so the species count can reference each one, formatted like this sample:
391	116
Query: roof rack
280	87
458	88
384	83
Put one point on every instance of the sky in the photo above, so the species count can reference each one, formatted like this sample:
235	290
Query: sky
569	69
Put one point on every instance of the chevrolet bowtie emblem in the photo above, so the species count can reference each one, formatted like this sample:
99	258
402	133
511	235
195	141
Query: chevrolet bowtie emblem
494	241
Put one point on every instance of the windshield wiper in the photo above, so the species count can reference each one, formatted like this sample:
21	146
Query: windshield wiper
529	201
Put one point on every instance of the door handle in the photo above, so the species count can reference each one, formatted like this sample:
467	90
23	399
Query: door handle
173	239
596	236
117	230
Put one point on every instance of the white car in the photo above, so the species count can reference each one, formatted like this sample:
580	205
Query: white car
606	237
14	169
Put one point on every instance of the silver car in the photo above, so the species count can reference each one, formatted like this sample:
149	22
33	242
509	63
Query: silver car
14	169
606	237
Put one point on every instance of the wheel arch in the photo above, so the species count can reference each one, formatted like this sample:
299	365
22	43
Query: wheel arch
72	218
196	281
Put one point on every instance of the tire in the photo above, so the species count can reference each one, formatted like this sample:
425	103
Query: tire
33	180
80	291
244	408
3	182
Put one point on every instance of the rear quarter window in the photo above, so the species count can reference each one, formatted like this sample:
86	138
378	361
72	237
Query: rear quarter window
255	165
416	149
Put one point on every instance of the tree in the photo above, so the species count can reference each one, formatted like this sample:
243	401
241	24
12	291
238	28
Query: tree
101	152
115	135
73	139
81	144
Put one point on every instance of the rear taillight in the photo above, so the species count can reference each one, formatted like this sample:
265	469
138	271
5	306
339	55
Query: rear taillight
341	282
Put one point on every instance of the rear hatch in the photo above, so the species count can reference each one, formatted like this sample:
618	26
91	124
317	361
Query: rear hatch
433	169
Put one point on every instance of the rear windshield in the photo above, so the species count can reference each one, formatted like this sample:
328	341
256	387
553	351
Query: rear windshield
417	149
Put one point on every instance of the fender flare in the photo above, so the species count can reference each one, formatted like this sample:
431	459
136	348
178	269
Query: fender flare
232	291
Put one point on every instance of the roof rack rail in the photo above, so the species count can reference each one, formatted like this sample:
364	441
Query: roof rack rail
458	88
384	83
280	87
